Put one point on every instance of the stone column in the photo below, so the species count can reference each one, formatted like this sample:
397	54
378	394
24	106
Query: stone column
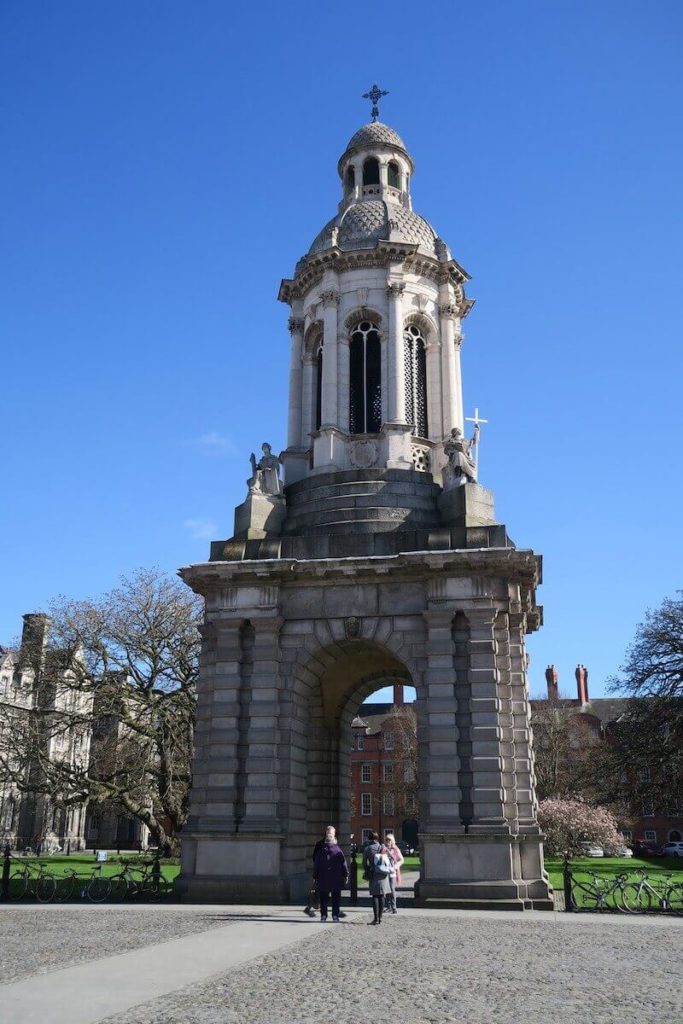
330	405
487	781
396	399
296	327
440	765
521	713
506	721
308	398
452	412
261	767
434	416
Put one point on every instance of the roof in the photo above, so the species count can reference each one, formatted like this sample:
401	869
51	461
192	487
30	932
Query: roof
373	134
362	225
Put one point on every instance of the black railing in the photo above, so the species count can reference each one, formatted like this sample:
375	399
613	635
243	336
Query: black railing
633	891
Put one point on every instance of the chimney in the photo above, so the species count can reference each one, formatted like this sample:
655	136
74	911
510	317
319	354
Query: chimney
34	640
398	695
551	677
581	674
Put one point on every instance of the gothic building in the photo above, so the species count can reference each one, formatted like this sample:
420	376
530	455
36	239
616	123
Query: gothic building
377	561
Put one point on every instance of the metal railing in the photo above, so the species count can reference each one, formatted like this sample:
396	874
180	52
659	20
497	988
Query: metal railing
631	891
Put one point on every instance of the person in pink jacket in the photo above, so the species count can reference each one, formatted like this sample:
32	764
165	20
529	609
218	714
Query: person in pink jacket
394	880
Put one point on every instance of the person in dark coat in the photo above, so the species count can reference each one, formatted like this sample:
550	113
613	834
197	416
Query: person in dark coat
378	882
314	896
331	874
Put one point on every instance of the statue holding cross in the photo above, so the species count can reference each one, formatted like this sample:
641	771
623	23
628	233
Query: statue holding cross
461	467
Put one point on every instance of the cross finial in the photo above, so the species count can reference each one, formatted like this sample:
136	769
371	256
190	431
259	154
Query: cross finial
375	95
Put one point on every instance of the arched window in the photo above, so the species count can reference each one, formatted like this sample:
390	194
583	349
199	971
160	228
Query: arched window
416	379
319	388
393	174
371	171
365	398
350	179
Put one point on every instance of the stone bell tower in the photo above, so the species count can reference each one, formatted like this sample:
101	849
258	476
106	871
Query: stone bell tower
377	560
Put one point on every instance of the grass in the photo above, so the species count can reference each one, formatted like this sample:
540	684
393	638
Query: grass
584	868
83	863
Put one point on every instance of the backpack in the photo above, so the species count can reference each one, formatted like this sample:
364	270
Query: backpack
382	865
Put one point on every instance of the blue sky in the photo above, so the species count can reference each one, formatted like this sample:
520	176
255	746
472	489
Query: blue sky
165	164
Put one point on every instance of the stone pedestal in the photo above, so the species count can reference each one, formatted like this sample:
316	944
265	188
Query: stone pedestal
260	516
467	505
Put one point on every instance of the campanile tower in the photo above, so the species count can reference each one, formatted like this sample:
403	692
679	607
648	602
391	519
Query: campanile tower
366	554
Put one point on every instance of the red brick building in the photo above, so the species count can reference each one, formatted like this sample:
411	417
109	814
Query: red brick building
656	820
383	771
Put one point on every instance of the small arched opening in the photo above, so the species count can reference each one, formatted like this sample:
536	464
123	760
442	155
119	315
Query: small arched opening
415	379
371	171
350	178
365	381
393	174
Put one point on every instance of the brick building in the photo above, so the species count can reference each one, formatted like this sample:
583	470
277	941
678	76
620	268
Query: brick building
657	820
383	770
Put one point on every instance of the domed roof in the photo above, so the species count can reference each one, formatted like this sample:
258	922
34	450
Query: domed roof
374	133
362	225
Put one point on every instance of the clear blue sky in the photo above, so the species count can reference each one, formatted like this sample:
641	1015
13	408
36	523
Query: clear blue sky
165	164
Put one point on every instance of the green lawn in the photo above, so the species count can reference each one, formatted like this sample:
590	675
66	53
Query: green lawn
584	868
83	863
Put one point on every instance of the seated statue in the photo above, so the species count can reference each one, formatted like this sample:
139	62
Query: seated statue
461	467
265	477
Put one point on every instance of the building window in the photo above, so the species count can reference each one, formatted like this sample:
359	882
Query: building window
415	379
350	179
388	803
366	804
371	171
645	775
367	832
360	741
366	773
365	398
319	388
409	773
648	808
675	835
388	773
388	741
651	835
393	174
673	809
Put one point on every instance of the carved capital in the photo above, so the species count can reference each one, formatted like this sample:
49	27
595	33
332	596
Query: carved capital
329	298
457	338
449	311
395	289
295	324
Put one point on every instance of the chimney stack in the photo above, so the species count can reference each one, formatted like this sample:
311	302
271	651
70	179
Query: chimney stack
34	640
581	674
551	678
398	695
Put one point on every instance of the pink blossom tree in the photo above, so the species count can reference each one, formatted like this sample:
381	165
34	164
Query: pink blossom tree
568	823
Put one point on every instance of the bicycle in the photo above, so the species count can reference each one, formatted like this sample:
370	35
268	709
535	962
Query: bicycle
95	888
597	893
639	895
24	881
138	879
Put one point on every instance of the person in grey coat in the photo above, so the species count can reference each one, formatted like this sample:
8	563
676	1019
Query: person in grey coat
378	881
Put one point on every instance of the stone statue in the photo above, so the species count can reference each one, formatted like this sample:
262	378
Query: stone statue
461	467
265	477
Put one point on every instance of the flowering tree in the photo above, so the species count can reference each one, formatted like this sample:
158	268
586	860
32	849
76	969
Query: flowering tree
568	823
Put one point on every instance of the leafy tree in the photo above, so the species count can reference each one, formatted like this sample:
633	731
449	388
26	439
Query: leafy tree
567	823
132	664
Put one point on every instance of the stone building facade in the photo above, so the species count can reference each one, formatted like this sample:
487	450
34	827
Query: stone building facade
379	558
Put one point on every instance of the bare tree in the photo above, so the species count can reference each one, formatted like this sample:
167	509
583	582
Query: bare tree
131	662
402	725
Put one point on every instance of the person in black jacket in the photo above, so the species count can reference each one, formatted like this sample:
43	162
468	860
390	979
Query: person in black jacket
313	904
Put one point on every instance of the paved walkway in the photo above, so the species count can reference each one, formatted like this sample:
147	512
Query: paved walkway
248	965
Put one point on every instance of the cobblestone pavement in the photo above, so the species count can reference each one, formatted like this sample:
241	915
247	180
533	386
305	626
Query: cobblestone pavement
423	969
36	939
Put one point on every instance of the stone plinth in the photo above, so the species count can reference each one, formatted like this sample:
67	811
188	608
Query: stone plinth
467	505
260	516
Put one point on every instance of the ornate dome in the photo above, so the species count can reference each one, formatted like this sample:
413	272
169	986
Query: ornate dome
362	225
374	134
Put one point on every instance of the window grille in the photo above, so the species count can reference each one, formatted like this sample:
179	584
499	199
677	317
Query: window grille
366	804
388	741
319	389
388	803
415	379
648	809
366	773
388	773
360	742
365	399
367	832
651	835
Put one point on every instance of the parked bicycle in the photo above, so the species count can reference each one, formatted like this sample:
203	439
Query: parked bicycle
31	880
600	893
138	879
643	894
94	887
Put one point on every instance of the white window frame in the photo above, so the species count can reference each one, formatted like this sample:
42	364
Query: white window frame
388	772
366	833
388	740
650	835
360	741
366	805
645	775
366	774
648	808
388	804
408	773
